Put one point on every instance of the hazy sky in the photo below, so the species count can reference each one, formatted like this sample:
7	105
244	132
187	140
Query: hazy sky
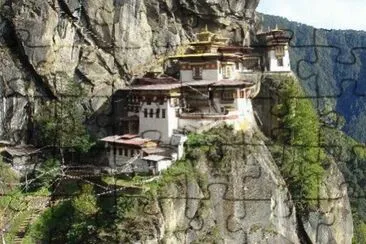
329	14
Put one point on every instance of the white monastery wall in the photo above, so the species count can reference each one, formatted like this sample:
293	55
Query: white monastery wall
158	128
210	74
163	164
273	65
186	75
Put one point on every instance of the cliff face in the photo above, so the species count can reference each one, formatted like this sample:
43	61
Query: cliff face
100	43
225	193
331	220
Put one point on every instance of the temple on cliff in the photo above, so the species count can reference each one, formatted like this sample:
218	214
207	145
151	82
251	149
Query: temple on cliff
215	85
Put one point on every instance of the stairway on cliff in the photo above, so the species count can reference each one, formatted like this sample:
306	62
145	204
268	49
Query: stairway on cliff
37	205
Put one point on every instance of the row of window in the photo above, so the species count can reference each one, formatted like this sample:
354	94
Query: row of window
223	69
148	100
150	113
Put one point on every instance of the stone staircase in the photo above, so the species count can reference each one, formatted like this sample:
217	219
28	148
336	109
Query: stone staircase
36	206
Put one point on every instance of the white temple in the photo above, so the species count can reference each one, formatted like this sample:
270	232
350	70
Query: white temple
214	87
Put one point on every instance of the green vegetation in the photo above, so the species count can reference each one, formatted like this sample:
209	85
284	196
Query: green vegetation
351	159
345	97
61	122
322	73
8	178
297	147
71	221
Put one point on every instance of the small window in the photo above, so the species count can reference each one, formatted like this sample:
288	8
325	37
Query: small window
132	152
227	71
151	113
145	112
237	65
242	94
227	95
163	113
114	151
148	101
119	151
126	153
197	72
279	62
158	113
280	51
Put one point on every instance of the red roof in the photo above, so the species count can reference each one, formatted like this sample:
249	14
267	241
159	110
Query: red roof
232	83
147	83
218	83
154	87
152	81
137	141
129	136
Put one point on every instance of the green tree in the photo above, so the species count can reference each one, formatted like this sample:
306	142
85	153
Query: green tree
302	159
85	210
8	178
61	122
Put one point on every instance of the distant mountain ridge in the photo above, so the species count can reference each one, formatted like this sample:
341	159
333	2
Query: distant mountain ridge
331	66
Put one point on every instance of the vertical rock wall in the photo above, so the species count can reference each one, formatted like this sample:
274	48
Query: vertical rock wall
102	44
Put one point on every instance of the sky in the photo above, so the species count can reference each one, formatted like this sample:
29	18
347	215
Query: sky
328	14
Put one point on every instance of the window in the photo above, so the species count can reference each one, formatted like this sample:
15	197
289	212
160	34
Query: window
120	151
280	51
163	113
148	101
145	112
151	113
280	62
197	72
114	151
237	65
158	113
126	153
132	152
242	94
227	95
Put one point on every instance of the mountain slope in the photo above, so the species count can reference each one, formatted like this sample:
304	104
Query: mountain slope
331	66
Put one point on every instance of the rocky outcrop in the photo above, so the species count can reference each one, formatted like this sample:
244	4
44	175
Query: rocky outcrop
100	43
332	222
248	204
239	198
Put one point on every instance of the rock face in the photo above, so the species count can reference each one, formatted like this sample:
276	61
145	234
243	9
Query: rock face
100	43
239	198
249	203
332	222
